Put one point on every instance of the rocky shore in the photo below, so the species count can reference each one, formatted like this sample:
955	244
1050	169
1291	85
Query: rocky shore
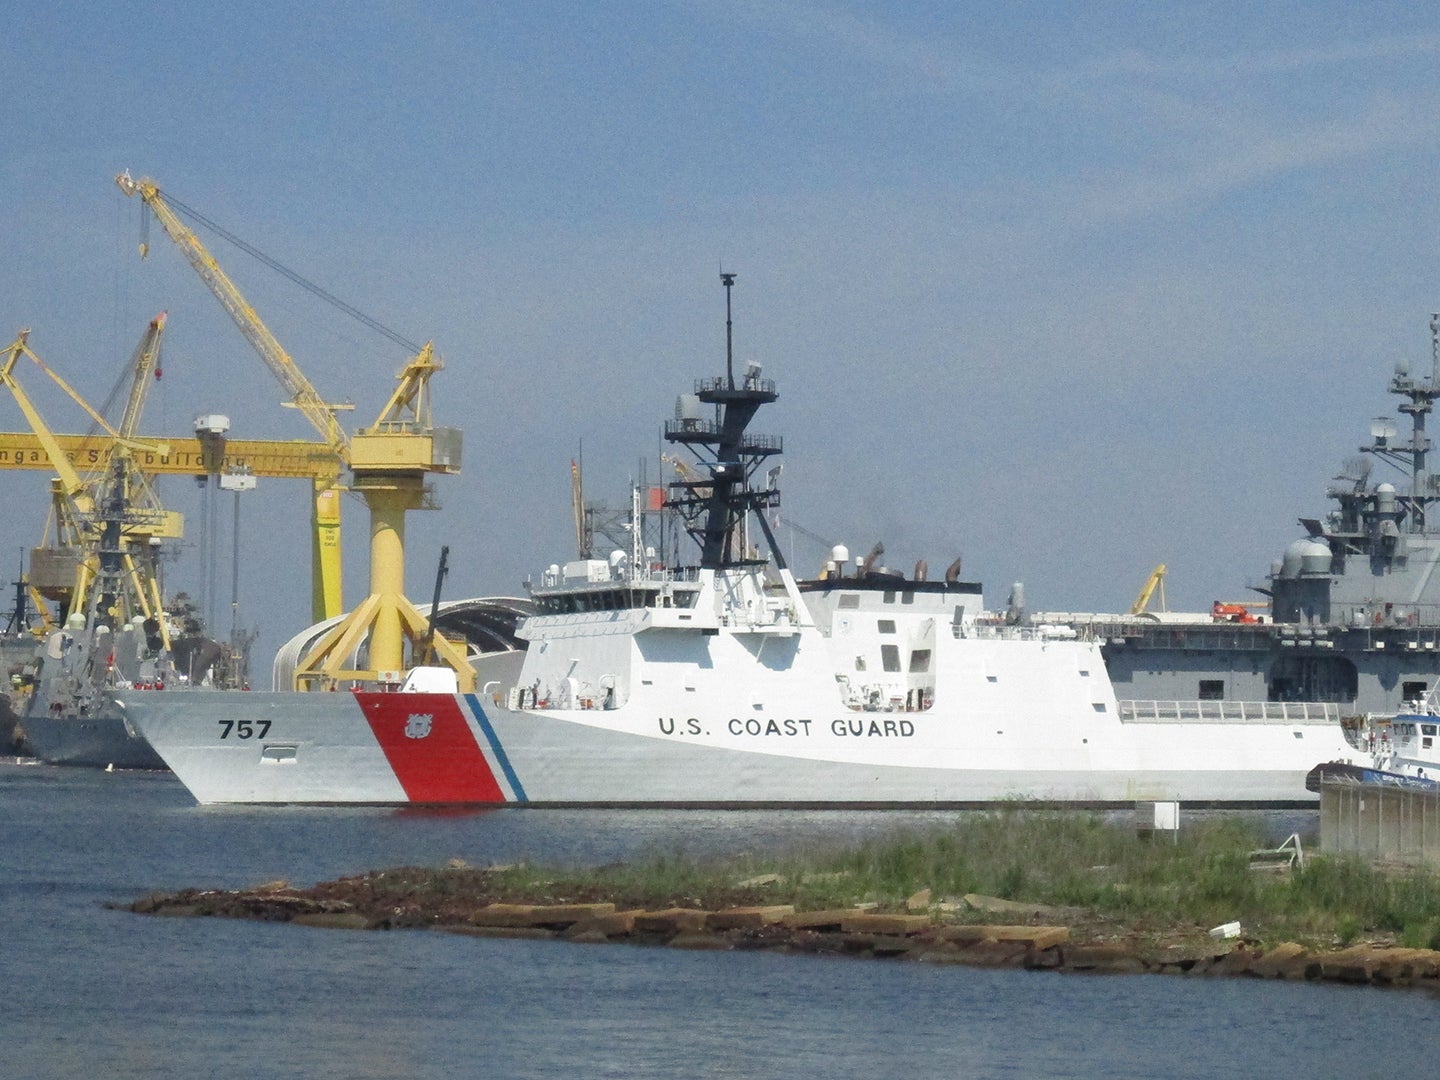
970	930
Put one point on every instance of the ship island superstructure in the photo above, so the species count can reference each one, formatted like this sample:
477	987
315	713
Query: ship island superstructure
1349	616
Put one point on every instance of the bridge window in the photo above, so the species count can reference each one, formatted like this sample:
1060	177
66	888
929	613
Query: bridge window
1212	690
890	657
886	626
919	661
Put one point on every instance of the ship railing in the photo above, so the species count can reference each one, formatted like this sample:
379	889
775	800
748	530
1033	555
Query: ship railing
1008	632
1229	712
721	382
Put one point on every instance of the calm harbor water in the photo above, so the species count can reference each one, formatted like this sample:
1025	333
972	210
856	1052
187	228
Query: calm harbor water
94	992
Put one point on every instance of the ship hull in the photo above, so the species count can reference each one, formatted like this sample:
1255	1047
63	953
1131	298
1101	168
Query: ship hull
1366	776
393	748
97	742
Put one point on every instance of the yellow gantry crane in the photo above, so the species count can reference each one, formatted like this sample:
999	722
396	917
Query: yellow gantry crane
388	463
66	570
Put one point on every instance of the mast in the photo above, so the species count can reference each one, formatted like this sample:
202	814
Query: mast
19	620
1412	455
716	502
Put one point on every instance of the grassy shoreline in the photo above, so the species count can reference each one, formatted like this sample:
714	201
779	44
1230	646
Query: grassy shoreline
1102	879
1051	890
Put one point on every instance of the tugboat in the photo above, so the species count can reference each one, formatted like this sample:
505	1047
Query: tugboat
1400	751
728	682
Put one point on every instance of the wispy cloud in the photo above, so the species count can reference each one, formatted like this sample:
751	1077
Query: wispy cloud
1193	126
1255	156
1139	63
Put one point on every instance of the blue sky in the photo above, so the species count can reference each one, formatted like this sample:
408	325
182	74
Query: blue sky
1069	290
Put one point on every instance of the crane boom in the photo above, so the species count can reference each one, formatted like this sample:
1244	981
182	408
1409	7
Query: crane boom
303	394
143	365
72	484
1156	580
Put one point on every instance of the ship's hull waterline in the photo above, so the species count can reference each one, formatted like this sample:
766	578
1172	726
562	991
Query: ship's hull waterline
390	748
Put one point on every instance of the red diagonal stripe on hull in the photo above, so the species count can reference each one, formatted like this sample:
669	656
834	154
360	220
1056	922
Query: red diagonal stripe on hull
443	766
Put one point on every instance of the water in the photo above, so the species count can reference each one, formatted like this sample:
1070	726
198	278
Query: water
94	992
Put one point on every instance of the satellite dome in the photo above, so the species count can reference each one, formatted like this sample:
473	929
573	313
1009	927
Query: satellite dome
1307	556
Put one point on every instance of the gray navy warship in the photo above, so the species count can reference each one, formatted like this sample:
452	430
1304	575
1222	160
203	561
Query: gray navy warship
1353	619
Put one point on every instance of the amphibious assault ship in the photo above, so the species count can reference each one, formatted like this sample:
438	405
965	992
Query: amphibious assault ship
1353	616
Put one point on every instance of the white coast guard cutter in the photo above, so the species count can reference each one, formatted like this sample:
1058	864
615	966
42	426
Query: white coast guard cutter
730	683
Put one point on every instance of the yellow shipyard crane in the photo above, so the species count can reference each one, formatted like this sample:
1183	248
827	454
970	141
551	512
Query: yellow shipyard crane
66	571
1155	581
388	463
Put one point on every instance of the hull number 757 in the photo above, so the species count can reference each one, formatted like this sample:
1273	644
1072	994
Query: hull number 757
244	729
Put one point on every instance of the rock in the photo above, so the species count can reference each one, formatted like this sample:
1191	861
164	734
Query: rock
870	923
990	953
700	940
1352	965
616	924
1043	959
818	920
1035	937
538	914
1105	959
671	921
588	937
878	944
272	887
1284	961
456	864
756	882
334	920
994	905
1236	962
943	952
177	911
745	918
887	945
919	902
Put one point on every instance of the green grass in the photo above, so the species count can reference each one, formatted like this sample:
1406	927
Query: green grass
1064	859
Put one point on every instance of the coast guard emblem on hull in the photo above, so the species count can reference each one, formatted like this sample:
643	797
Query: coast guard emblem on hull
418	726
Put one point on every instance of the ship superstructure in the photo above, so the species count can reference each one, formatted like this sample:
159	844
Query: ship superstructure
1350	614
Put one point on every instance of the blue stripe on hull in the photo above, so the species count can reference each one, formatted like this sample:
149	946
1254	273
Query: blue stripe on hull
473	701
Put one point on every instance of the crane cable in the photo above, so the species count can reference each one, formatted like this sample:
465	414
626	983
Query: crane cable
279	268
